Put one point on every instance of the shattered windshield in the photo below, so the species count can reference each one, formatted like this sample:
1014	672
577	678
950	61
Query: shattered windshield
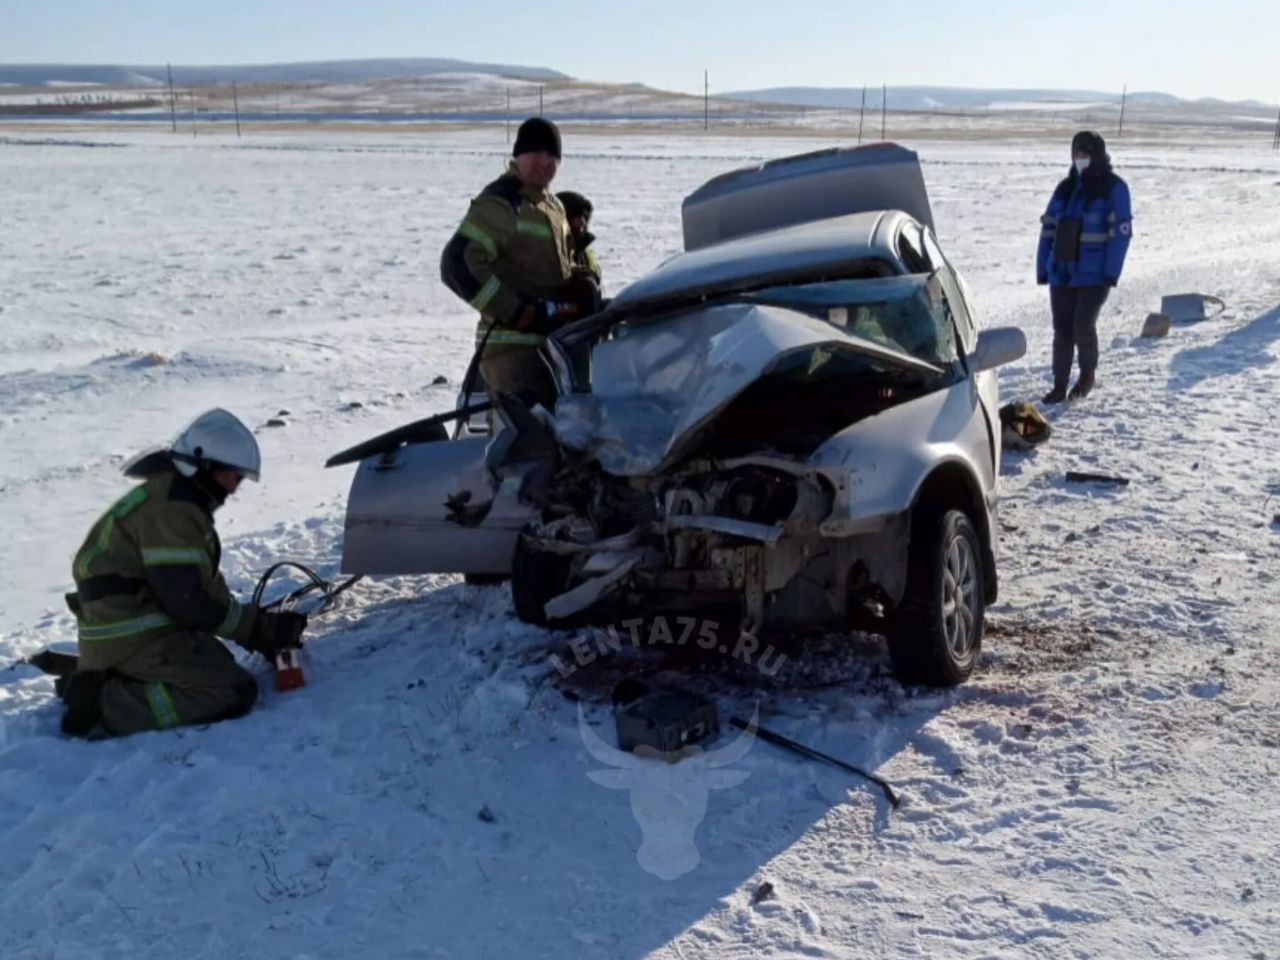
657	383
907	313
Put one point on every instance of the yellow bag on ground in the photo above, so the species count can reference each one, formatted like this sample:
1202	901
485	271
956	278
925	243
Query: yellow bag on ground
1023	426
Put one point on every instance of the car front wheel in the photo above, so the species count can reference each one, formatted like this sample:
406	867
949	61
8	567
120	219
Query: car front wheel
935	634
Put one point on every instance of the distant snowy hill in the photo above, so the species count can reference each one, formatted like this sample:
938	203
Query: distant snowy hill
960	98
323	71
380	70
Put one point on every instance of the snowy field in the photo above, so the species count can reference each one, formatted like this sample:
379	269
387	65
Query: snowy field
1104	787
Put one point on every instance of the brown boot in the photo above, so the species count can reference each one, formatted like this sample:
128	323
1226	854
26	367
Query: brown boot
1083	387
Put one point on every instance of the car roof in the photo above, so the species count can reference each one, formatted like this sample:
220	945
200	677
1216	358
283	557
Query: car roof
772	256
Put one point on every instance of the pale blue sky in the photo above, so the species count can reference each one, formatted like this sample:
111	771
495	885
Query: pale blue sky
1226	48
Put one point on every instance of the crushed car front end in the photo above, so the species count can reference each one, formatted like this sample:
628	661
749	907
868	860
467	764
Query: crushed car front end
694	474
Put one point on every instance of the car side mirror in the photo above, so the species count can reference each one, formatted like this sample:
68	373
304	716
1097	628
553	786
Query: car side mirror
998	346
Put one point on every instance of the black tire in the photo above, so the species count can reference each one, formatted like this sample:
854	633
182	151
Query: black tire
536	577
935	634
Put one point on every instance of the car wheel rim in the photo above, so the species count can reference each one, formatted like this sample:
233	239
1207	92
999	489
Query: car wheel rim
960	598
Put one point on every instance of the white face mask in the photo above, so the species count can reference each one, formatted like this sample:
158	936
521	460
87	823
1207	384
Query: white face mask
1082	165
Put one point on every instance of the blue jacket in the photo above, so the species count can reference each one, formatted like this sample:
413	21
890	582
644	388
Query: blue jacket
1102	219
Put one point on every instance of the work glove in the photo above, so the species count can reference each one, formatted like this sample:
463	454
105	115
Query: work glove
582	291
275	631
544	316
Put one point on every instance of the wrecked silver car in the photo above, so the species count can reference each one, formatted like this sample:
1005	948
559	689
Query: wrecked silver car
792	424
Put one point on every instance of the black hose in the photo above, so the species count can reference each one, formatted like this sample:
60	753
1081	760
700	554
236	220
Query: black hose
469	378
328	589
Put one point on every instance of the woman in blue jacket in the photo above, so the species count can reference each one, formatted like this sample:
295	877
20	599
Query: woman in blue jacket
1083	241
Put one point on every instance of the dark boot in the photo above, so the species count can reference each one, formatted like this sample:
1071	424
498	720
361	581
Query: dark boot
1056	395
1084	386
82	693
54	663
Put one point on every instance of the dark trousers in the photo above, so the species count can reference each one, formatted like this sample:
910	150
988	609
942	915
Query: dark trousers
173	681
519	371
1075	325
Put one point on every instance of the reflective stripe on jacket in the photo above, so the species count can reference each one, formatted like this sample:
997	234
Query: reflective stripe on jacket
1098	228
512	248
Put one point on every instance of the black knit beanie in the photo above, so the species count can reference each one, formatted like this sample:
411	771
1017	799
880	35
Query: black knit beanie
575	204
535	135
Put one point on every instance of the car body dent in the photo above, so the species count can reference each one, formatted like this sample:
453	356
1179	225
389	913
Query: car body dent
886	457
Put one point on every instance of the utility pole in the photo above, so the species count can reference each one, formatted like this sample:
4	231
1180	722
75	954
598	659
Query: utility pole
884	108
192	91
706	94
539	100
508	114
235	99
173	106
862	114
1123	97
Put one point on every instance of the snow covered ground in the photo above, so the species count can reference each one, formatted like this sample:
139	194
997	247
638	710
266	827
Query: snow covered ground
1104	787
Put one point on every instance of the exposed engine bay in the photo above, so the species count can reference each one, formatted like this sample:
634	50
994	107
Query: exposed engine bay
749	536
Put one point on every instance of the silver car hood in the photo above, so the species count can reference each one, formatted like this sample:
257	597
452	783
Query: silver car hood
655	385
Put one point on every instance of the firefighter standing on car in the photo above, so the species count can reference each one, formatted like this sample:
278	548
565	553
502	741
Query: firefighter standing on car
512	260
1084	237
150	601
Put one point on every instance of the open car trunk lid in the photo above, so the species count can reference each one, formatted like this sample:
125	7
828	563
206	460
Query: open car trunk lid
805	188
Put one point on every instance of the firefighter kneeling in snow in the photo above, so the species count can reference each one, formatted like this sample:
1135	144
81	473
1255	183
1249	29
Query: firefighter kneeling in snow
150	601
